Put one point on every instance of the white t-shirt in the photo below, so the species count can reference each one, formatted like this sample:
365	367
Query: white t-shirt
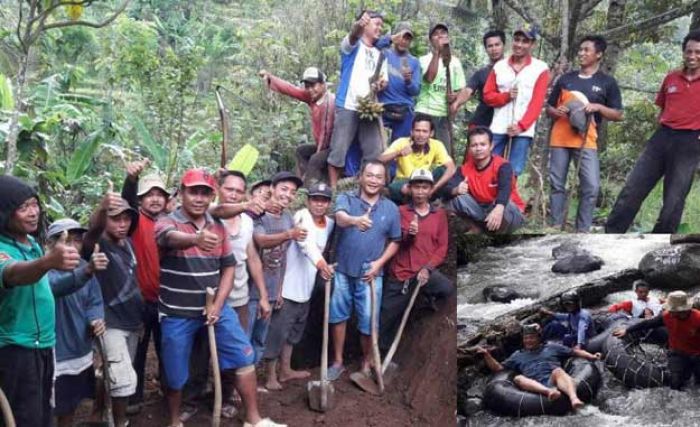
239	293
302	257
363	68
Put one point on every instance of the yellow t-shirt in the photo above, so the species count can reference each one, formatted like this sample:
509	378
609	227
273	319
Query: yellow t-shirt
435	156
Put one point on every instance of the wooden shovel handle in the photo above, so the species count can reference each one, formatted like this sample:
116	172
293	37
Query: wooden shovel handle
397	338
216	413
375	340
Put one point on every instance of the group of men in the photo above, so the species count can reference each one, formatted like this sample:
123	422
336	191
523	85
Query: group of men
512	91
140	270
538	365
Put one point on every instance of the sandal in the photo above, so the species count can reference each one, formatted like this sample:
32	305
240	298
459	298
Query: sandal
228	410
334	372
187	413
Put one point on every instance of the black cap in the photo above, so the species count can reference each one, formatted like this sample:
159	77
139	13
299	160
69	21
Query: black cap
286	176
260	184
436	26
13	193
321	189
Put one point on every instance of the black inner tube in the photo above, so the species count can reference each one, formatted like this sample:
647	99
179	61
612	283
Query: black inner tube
636	363
503	397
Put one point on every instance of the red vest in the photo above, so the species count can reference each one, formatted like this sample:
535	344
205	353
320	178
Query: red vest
684	335
483	184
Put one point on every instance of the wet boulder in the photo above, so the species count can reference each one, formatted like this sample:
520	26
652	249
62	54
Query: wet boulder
579	263
500	293
677	239
567	250
673	267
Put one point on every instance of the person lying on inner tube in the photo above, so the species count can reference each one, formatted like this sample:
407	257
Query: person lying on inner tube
574	327
644	306
539	366
683	324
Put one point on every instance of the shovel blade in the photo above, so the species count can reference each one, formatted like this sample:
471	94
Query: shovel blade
316	391
366	383
390	373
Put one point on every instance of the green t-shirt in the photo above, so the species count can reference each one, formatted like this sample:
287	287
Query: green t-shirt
27	313
432	98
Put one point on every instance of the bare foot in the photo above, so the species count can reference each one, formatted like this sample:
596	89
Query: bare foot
553	394
273	385
293	375
577	403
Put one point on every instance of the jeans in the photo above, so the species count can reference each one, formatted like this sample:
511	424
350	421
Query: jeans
671	154
257	329
682	367
399	129
477	212
312	164
399	198
589	182
519	150
151	326
395	301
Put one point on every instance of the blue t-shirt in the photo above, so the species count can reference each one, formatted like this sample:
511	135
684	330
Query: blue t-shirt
356	247
538	364
398	91
579	324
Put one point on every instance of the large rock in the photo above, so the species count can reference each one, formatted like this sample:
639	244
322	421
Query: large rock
500	293
673	267
567	250
684	238
579	263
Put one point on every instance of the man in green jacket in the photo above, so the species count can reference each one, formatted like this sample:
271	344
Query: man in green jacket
27	314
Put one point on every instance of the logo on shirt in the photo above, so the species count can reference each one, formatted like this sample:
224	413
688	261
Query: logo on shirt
596	88
4	256
672	89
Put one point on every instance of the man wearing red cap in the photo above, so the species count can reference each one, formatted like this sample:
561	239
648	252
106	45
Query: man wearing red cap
196	255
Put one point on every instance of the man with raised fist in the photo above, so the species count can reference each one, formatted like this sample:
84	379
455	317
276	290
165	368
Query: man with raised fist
27	315
110	227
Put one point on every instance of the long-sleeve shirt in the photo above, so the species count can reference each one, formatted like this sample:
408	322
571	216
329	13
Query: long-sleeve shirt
683	334
303	257
580	324
427	249
145	247
399	91
78	302
322	111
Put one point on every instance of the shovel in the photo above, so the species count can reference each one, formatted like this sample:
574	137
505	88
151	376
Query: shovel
216	413
387	367
321	393
6	410
360	379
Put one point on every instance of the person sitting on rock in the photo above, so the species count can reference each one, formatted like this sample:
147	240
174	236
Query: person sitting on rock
538	366
644	306
419	151
484	189
574	327
683	324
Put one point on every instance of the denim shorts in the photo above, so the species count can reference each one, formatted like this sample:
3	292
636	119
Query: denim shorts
178	333
349	291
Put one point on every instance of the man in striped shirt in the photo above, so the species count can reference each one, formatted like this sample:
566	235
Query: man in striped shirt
195	255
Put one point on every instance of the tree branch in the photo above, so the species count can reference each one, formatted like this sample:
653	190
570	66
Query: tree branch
624	31
55	6
587	7
62	24
522	9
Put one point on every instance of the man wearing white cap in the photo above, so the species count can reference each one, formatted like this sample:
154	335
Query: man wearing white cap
148	195
683	324
311	158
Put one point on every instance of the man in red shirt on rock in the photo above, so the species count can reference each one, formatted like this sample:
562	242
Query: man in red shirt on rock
311	158
484	189
683	325
422	249
673	152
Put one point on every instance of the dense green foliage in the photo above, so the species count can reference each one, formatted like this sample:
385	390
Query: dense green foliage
144	86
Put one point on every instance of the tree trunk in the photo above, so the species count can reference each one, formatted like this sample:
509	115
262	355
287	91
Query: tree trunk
695	20
13	134
499	16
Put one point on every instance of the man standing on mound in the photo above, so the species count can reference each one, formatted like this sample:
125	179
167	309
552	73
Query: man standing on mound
539	366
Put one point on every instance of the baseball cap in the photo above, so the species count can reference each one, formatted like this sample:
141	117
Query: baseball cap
122	207
436	26
149	182
532	328
286	176
64	224
313	75
198	177
321	189
260	184
528	30
421	175
372	14
403	27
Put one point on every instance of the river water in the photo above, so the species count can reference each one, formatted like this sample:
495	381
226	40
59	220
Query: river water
526	267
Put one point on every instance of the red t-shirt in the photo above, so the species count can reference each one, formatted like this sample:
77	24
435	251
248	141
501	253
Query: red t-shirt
684	335
483	184
146	251
426	249
679	99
